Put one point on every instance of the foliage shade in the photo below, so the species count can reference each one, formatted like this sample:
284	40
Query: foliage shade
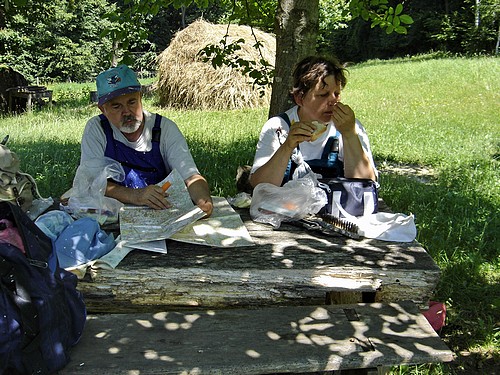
415	114
67	40
446	26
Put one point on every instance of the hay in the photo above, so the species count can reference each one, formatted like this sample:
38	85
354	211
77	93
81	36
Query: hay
185	81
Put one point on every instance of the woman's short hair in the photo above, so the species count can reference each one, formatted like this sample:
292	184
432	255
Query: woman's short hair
313	69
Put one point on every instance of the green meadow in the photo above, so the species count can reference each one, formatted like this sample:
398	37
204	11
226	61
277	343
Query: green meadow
434	127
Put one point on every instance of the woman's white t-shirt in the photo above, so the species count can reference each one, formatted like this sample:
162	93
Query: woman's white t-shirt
275	131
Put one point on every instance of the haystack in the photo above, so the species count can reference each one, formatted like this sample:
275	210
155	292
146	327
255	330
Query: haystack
185	81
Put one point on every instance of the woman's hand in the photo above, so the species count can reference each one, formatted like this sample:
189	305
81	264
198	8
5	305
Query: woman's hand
299	132
344	119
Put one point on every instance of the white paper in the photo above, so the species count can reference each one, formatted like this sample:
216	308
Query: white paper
224	228
143	224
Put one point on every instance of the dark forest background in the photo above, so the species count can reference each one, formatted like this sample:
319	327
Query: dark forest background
68	40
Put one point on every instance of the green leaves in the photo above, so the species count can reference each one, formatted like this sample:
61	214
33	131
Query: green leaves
380	14
18	3
55	39
225	54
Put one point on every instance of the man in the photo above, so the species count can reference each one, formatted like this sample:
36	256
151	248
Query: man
147	145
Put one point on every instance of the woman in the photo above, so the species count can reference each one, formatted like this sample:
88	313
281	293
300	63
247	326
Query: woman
343	150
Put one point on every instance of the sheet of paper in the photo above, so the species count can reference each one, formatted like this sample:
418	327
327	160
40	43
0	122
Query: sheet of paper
143	224
224	228
114	257
159	246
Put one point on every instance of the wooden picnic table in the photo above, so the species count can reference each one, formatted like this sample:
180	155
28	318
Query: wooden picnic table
296	302
288	266
30	93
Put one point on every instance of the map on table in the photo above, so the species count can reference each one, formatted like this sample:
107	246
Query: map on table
224	228
143	224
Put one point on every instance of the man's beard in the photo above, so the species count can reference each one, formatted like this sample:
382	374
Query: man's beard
130	127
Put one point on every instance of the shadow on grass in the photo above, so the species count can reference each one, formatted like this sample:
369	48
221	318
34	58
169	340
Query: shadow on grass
219	163
458	226
456	223
52	164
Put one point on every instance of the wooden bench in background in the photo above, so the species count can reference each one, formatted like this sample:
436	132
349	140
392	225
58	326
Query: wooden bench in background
32	95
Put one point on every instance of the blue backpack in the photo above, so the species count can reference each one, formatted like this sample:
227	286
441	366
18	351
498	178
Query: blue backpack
42	314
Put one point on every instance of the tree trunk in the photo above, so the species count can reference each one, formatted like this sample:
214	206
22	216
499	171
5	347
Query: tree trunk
478	13
497	46
115	57
296	29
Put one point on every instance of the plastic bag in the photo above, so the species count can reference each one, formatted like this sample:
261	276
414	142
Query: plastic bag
294	200
86	197
302	170
240	200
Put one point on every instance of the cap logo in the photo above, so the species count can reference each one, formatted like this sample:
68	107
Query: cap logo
114	80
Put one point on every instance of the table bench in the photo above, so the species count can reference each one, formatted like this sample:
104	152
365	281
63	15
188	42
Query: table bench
216	310
32	94
257	341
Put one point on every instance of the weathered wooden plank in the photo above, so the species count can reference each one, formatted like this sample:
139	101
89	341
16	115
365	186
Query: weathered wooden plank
257	341
287	266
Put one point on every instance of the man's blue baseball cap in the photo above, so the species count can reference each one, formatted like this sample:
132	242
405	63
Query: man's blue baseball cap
115	82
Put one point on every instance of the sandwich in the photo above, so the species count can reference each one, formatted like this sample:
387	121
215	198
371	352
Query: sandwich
320	129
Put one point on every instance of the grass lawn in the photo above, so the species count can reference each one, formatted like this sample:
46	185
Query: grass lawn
437	118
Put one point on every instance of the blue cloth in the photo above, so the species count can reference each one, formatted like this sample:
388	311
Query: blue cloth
81	242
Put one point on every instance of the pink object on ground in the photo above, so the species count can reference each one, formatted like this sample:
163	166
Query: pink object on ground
11	235
436	315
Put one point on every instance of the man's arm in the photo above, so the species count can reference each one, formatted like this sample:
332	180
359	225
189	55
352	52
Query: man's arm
151	196
200	193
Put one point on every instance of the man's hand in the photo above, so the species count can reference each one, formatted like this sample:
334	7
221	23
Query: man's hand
152	196
206	206
200	193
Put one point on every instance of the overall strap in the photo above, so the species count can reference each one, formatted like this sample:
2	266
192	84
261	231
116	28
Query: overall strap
331	145
290	168
285	117
155	138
